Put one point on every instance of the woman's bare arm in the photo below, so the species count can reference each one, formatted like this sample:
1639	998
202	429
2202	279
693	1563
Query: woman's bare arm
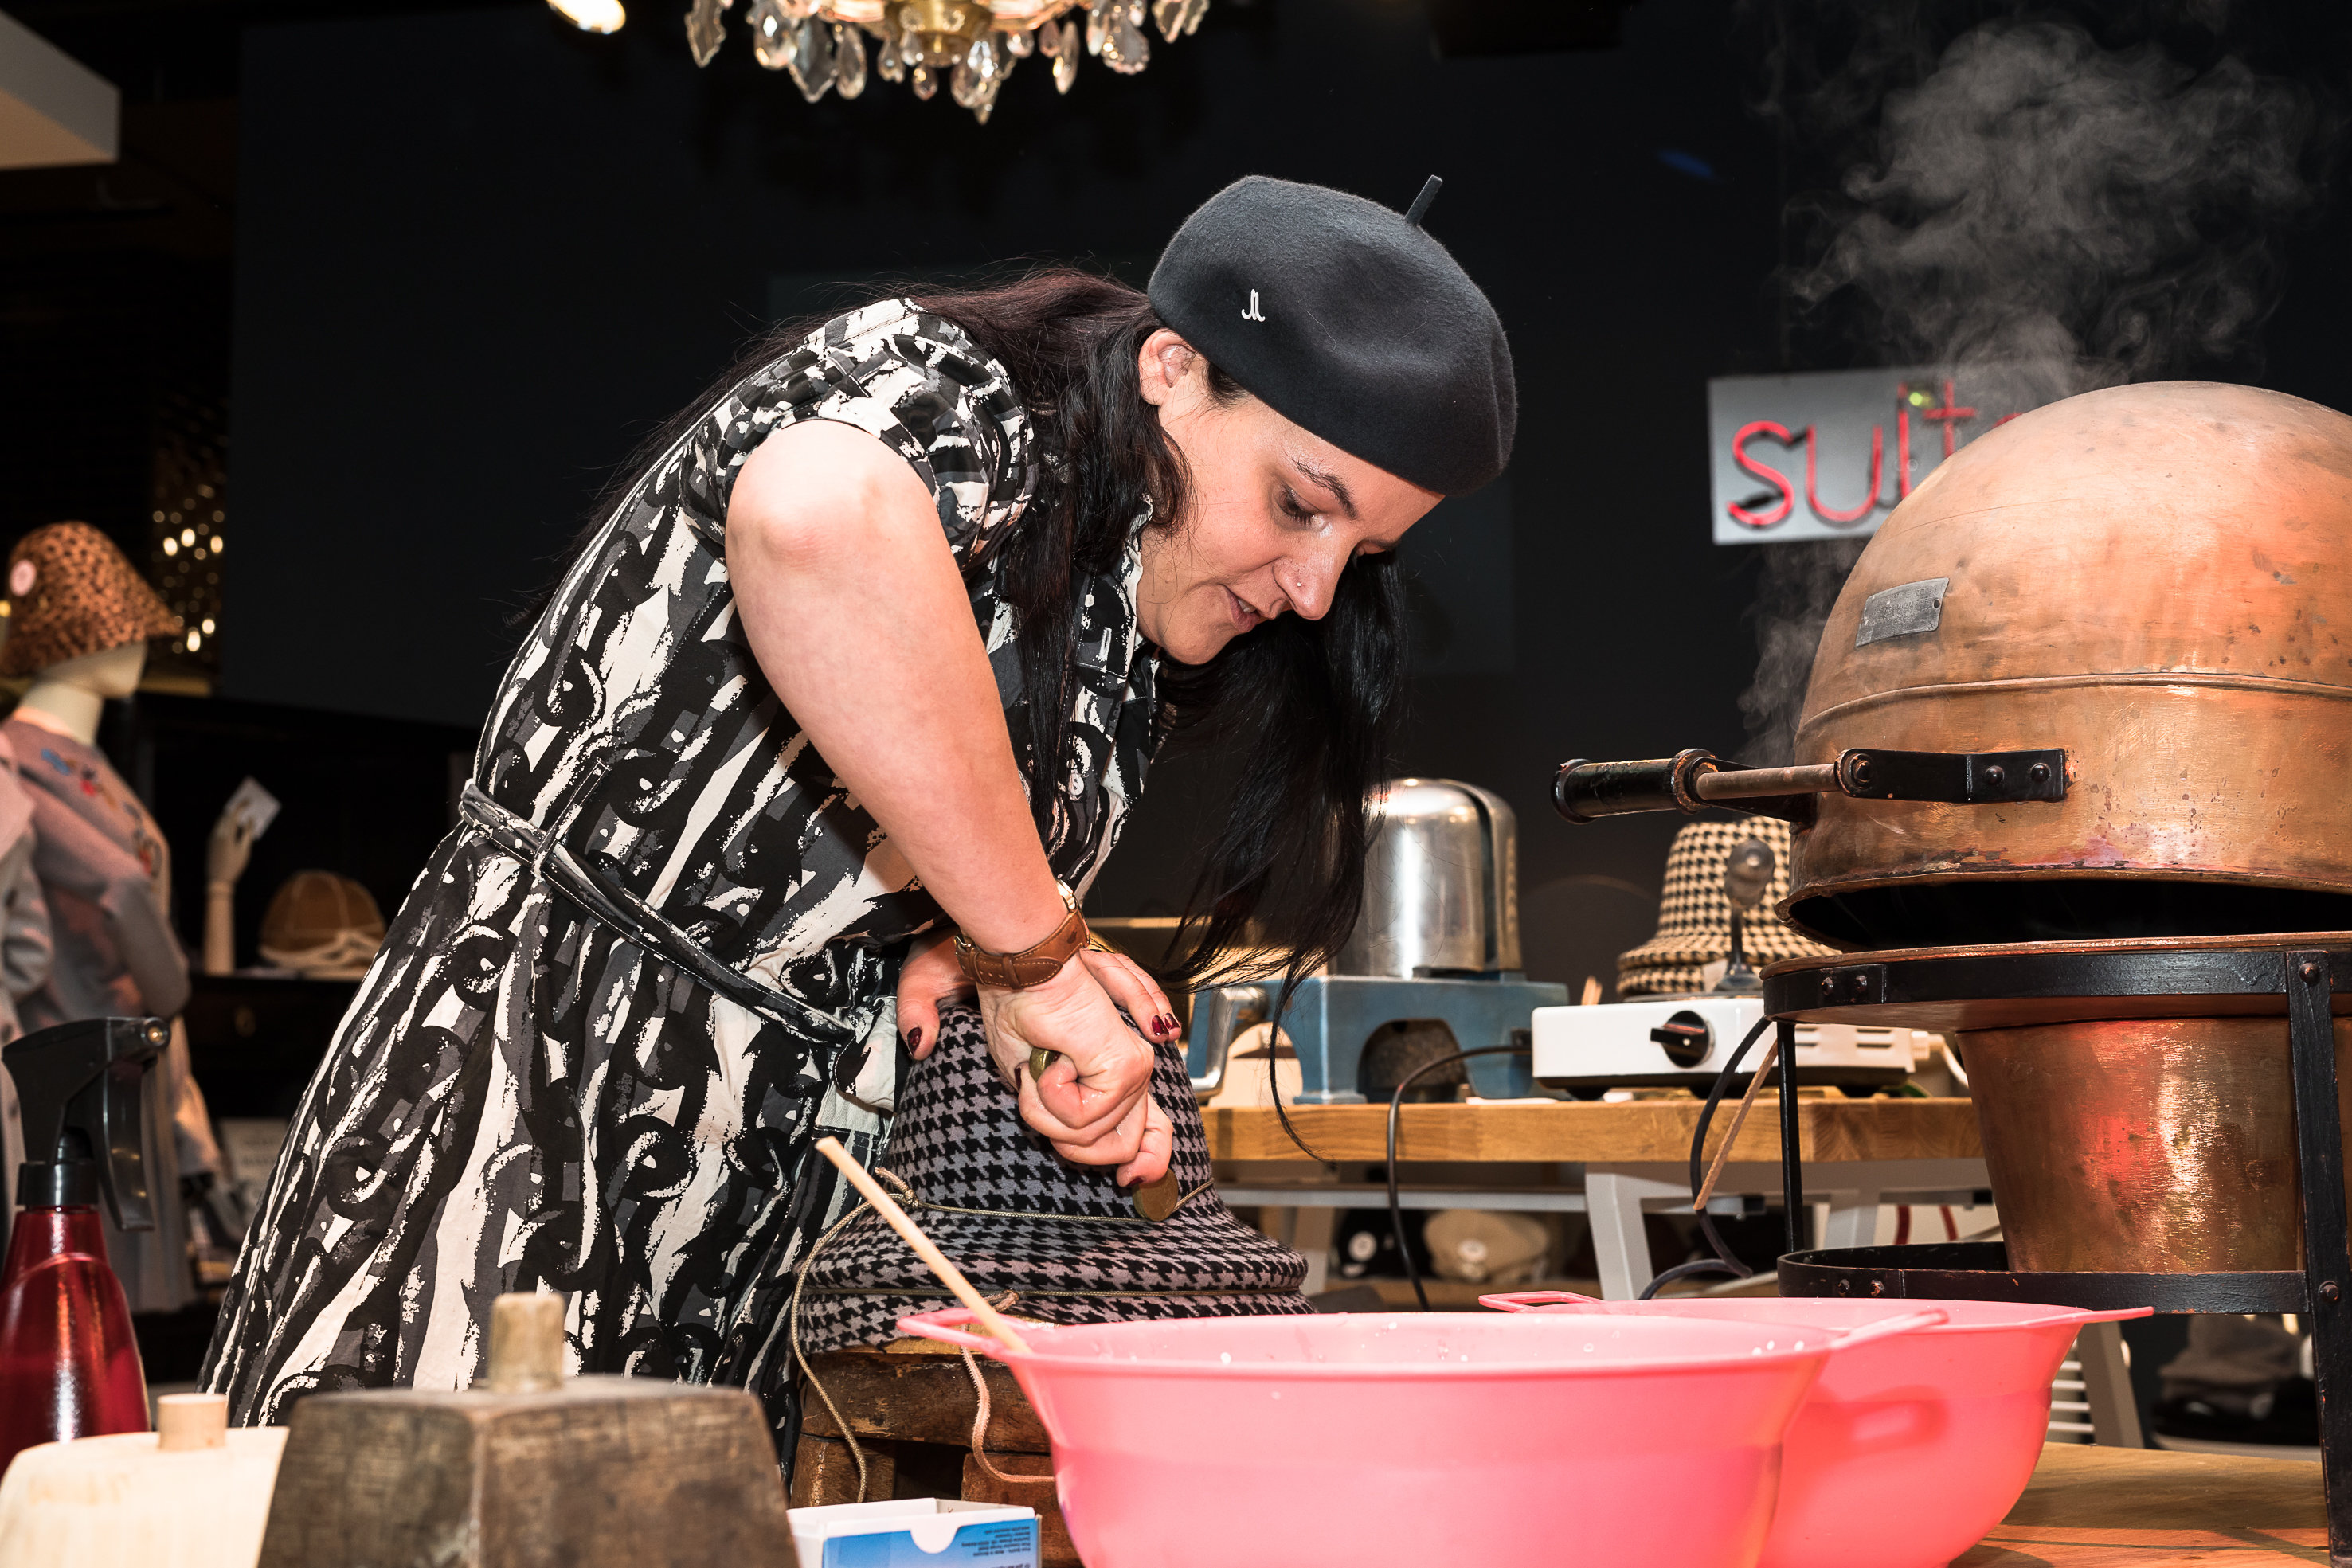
852	602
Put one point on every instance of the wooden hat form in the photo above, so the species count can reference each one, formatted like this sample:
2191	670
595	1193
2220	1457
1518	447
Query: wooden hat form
132	1497
531	1469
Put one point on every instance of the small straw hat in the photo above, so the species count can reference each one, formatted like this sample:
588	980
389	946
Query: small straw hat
1015	1216
323	926
1695	917
71	592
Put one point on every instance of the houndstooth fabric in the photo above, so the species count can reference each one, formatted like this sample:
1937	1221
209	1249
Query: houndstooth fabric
1695	917
1064	1237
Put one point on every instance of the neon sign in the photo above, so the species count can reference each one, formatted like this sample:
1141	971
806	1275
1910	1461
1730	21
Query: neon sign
1807	456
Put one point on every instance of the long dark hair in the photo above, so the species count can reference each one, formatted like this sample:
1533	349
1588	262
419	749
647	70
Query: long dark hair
1311	706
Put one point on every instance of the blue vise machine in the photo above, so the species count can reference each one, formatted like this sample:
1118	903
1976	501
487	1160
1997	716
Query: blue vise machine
1438	943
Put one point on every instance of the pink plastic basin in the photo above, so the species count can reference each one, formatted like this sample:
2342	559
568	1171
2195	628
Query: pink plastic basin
1910	1449
1437	1440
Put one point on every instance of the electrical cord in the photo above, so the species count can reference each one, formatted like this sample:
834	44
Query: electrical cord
1723	1262
1396	1108
1290	985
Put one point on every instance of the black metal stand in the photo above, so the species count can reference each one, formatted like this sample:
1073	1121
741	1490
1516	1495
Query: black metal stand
2079	981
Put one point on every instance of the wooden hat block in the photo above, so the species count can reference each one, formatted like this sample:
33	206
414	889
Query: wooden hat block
530	1469
191	1494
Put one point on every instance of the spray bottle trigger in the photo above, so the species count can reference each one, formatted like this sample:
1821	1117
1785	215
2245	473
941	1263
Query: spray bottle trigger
80	1087
122	1173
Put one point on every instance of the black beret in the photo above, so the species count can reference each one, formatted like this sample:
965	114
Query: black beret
1352	322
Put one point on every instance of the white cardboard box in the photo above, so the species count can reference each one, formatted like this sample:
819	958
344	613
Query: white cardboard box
916	1532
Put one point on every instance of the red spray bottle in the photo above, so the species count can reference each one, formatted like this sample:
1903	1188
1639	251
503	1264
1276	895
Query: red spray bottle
68	1366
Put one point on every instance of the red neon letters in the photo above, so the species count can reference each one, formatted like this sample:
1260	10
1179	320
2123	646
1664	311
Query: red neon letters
1771	477
1776	503
1870	497
1950	417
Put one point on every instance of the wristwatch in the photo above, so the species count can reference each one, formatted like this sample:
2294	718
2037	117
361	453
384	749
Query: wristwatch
1033	965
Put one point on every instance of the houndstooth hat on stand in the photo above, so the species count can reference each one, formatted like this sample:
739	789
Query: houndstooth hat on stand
1695	917
1015	1216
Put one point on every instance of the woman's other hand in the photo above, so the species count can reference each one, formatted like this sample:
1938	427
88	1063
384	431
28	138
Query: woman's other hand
929	978
1094	1101
1132	987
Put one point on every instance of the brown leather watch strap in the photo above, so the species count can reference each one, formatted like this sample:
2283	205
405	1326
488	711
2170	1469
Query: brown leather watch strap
1033	966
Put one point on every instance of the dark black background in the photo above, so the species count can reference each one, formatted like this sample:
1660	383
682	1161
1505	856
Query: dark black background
477	256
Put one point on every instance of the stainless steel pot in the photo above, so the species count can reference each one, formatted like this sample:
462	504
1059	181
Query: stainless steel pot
1441	884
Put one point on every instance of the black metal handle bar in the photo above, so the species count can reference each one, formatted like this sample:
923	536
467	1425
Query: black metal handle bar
1691	781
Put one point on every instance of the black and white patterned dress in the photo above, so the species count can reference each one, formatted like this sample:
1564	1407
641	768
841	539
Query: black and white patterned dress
657	956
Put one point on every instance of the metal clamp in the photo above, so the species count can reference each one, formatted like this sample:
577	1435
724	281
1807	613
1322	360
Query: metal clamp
1218	1017
1953	777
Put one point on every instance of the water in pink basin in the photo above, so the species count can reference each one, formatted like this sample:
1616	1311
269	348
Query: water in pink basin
1908	1449
1362	1440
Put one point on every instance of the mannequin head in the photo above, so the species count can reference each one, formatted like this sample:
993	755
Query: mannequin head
67	696
109	673
79	619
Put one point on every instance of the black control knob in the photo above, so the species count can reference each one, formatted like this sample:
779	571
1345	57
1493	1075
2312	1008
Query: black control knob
1685	1037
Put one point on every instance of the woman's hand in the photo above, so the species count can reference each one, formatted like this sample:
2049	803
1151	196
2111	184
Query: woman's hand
1091	1103
1094	1101
929	979
1132	988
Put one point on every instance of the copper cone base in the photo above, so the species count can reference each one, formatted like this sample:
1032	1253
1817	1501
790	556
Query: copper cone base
2144	1145
2121	1136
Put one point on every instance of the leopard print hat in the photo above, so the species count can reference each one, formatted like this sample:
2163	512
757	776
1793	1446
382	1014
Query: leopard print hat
71	592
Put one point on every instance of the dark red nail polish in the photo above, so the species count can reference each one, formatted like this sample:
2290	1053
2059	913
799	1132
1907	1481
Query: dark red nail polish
915	1038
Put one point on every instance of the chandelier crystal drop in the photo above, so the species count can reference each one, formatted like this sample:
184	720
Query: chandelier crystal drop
591	16
705	29
972	45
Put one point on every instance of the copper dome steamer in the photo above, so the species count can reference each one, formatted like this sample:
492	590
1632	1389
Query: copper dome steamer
2088	684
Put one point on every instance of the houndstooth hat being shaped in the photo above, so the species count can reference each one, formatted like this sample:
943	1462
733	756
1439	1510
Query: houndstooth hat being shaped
71	592
1015	1216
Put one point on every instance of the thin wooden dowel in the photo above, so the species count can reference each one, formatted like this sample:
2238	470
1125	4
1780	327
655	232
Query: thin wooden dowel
933	1258
1731	1133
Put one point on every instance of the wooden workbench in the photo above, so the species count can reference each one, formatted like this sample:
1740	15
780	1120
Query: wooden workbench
1633	1156
2089	1507
1636	1131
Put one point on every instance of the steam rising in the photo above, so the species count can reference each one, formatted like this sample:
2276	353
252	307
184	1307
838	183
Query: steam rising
2088	217
2046	216
1800	584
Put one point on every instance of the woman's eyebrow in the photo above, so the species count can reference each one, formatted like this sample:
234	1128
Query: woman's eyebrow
1332	482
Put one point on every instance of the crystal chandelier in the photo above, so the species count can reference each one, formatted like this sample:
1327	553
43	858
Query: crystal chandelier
974	45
